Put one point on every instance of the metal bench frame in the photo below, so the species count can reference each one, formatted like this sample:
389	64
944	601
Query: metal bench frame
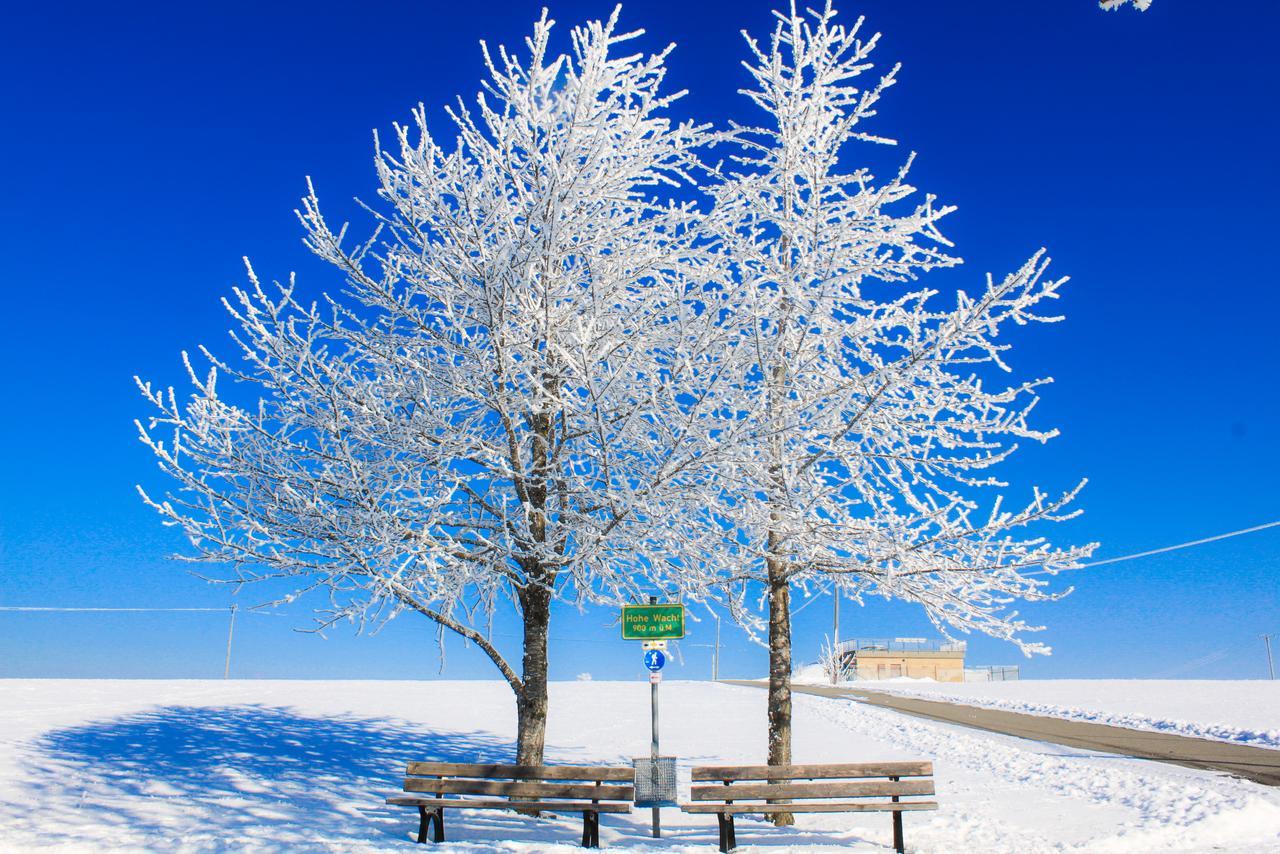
588	789
776	785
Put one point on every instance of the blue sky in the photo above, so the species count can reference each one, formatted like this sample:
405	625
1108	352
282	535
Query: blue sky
148	147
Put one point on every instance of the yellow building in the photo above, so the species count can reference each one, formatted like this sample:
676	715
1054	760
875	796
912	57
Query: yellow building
915	658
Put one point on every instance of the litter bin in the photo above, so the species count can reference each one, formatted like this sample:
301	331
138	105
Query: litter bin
655	781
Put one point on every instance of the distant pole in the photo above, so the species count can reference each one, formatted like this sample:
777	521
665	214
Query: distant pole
1271	667
231	628
835	630
653	742
835	633
715	658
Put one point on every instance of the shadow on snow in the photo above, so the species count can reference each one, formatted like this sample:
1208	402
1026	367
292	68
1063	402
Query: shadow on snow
255	776
211	777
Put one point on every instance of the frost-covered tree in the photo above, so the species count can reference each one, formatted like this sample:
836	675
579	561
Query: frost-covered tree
1112	5
496	406
873	421
831	658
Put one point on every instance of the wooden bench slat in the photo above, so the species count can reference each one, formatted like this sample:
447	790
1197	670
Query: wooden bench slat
552	806
740	809
593	773
812	772
850	789
520	789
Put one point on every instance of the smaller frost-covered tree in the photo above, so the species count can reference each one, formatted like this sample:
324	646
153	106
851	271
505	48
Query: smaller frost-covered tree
831	658
497	406
870	428
1112	5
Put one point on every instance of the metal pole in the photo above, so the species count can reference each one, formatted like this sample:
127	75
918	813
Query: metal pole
835	633
715	659
835	629
1271	667
226	670
653	741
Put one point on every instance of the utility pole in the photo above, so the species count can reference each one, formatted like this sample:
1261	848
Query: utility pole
1271	667
226	670
715	657
835	632
835	628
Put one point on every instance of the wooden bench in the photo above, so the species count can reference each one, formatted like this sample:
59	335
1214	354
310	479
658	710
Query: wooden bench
559	788
736	784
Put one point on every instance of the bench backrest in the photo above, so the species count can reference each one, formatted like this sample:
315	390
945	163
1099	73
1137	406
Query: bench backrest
539	782
842	781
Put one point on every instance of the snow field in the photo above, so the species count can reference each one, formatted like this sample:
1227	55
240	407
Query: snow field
213	766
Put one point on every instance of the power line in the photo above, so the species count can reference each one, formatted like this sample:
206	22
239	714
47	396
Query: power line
1172	548
210	610
226	668
812	599
1148	553
34	608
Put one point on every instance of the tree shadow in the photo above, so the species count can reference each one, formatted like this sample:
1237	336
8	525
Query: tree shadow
208	778
259	777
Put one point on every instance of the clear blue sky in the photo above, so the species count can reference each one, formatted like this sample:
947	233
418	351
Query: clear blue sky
147	147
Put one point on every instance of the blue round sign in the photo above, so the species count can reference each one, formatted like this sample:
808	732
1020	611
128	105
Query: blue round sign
654	659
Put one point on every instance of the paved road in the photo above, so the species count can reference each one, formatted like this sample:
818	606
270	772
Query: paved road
1253	763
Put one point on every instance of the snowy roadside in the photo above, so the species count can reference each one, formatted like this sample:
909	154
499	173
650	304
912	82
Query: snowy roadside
1240	711
213	766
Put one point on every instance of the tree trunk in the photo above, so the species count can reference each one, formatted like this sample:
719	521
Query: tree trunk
779	674
531	700
779	591
535	596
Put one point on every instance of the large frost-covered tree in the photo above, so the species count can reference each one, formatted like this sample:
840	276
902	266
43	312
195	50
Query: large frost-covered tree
496	406
545	379
872	427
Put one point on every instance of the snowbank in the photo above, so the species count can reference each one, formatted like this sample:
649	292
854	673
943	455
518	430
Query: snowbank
808	674
815	674
1243	711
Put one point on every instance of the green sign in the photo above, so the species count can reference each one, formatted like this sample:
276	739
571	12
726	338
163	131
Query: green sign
652	622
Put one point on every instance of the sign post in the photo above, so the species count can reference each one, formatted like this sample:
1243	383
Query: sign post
654	659
654	624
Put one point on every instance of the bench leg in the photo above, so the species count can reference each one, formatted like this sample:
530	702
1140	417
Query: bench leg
425	818
590	829
728	840
897	832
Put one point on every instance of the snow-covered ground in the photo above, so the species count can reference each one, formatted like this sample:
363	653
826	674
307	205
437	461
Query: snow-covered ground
304	766
1243	711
